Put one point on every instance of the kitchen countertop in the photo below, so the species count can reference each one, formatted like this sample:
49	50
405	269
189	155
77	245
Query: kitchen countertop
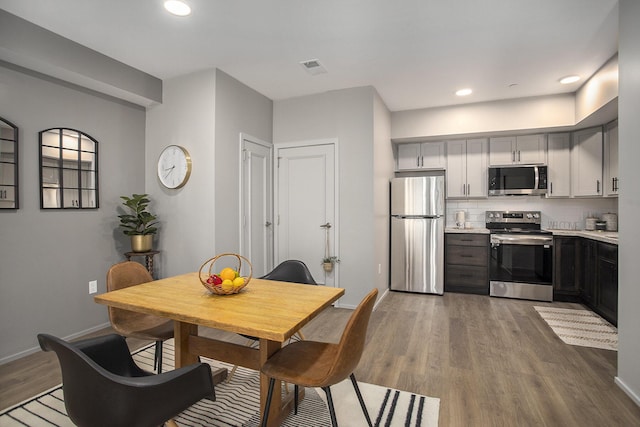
601	236
466	230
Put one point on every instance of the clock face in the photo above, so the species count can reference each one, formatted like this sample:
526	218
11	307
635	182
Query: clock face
174	166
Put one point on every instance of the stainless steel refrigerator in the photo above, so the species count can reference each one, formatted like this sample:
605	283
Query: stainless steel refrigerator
417	234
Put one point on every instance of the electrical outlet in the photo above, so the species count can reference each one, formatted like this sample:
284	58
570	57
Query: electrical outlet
93	286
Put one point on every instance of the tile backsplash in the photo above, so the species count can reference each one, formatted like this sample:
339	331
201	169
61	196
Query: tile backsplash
559	211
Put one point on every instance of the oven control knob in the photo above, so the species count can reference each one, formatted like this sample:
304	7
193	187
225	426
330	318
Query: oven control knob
490	214
529	216
536	215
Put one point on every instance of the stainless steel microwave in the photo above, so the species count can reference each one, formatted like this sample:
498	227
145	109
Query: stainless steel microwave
517	180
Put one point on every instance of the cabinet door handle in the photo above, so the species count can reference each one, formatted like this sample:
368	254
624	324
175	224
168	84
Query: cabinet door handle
464	190
551	188
468	189
513	156
466	256
518	156
598	186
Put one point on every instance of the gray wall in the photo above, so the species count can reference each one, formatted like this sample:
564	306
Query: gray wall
629	267
47	258
205	112
347	115
187	215
238	109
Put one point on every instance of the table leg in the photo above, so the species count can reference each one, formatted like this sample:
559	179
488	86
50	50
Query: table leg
183	354
181	333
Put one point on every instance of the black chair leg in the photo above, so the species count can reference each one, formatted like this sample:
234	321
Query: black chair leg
360	399
332	411
157	359
267	405
295	399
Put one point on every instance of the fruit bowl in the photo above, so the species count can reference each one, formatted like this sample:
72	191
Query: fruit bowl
224	285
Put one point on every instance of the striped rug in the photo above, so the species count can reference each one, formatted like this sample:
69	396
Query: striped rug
237	404
580	327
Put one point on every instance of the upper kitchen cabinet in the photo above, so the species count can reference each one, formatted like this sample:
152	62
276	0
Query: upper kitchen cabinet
467	168
517	150
420	156
559	165
611	183
586	163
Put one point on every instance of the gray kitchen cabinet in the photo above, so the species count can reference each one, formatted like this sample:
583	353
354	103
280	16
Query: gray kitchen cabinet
559	165
466	261
515	150
467	168
424	155
611	171
586	163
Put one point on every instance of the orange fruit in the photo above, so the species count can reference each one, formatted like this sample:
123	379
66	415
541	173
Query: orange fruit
227	274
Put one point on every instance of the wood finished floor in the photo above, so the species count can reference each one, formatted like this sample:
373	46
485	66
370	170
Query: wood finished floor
492	362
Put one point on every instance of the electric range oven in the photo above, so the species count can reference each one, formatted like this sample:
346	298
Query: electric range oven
521	256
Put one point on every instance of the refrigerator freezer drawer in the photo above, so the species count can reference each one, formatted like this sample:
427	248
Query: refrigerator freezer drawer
417	255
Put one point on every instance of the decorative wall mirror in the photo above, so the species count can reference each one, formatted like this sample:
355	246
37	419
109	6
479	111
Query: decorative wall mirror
8	165
68	169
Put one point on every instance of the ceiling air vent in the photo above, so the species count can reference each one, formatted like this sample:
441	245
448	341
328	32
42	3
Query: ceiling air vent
313	67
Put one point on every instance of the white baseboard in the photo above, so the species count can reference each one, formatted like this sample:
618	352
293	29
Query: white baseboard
627	390
32	350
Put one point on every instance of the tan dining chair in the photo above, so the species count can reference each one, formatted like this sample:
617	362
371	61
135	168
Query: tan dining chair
293	271
321	364
137	325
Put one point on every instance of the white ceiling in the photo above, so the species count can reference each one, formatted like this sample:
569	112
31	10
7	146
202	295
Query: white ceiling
416	53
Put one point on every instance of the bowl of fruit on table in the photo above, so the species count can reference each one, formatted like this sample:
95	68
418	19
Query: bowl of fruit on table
225	280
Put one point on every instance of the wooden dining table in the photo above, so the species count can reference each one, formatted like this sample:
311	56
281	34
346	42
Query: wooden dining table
269	310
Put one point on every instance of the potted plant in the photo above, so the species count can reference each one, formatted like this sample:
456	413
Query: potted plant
328	261
138	223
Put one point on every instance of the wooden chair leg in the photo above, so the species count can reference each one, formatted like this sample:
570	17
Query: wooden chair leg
267	405
360	399
332	411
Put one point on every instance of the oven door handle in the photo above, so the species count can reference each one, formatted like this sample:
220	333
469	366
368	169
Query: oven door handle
505	239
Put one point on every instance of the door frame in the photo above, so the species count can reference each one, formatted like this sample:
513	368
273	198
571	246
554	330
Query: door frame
271	248
336	194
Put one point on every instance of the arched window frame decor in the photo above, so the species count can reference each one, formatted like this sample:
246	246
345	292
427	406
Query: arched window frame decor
68	169
9	190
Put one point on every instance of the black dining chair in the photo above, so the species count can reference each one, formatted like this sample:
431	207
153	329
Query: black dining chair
103	386
293	271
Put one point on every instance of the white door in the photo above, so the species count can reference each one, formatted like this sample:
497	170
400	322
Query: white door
530	149
305	201
256	229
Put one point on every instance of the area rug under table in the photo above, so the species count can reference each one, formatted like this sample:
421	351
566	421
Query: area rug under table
580	327
238	403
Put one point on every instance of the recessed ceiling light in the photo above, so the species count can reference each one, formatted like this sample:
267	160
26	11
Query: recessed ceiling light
177	7
464	92
569	79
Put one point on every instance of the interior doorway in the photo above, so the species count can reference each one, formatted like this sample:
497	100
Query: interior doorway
305	202
256	204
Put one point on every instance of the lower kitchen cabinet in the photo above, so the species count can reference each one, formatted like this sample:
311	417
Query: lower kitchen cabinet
607	290
566	252
595	267
466	262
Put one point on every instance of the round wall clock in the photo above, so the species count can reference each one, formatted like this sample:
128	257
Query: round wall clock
174	166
